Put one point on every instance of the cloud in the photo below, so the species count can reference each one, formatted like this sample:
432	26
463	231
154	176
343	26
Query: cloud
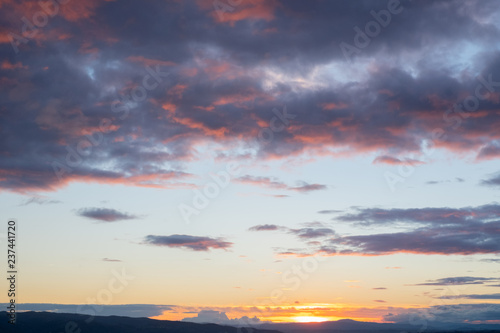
330	211
492	181
209	316
305	187
264	227
460	280
111	260
379	288
85	120
216	317
491	260
444	231
262	181
127	310
435	182
105	214
424	216
274	183
466	241
39	201
459	313
396	161
490	151
312	232
194	243
473	296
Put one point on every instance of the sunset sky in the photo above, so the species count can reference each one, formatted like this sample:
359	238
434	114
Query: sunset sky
286	160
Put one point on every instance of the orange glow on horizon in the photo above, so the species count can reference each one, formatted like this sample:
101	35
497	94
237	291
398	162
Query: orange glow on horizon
309	319
305	313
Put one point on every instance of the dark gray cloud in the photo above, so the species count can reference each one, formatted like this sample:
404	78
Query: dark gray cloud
305	187
465	231
459	280
194	243
105	214
77	90
264	227
310	231
493	181
313	232
329	211
459	313
128	310
490	260
472	296
424	216
464	241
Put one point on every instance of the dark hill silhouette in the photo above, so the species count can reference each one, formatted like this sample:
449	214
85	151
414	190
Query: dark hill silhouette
353	326
49	322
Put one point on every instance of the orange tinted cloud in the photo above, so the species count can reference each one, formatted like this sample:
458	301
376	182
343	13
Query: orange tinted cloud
396	161
7	65
150	62
333	106
80	10
245	10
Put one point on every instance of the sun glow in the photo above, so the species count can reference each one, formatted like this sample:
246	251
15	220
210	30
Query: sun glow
309	319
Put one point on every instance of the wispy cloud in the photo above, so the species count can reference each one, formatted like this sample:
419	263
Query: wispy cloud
194	243
274	183
310	230
464	231
264	227
105	214
493	181
39	201
111	260
396	161
459	280
471	296
436	182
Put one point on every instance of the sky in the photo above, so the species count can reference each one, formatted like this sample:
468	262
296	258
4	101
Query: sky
237	161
